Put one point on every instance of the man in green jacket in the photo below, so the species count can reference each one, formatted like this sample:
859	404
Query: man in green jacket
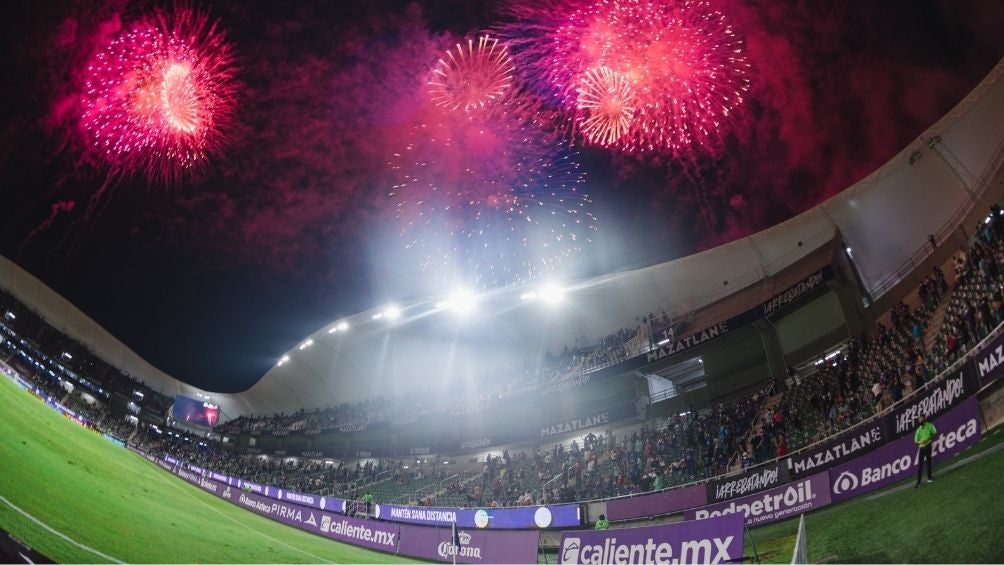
602	523
924	438
368	501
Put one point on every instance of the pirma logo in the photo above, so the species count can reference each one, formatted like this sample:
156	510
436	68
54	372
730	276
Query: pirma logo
570	550
847	481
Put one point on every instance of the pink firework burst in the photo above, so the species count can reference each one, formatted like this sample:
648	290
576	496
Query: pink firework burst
681	61
158	97
472	76
605	105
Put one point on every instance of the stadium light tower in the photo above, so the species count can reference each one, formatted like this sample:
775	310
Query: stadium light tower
462	301
551	294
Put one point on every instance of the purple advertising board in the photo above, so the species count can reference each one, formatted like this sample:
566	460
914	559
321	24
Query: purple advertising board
989	362
937	398
476	546
715	540
662	502
846	445
779	503
747	482
381	536
524	517
957	429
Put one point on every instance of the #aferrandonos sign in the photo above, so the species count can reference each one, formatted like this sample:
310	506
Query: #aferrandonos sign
957	430
936	400
778	503
748	482
716	540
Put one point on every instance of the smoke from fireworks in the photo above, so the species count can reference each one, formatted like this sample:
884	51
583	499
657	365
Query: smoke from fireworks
680	60
488	203
472	77
158	97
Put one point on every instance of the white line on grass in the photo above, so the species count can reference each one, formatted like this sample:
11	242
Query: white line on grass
238	522
56	532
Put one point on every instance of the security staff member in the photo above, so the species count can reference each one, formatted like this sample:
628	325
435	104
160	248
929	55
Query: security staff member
602	523
924	438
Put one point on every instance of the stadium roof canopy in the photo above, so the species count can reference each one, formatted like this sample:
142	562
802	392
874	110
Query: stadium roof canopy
885	219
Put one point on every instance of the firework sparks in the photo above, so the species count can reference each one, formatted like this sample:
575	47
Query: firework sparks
158	97
679	62
472	77
489	203
606	106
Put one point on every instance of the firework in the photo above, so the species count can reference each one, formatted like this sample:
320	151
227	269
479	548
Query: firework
488	203
472	76
158	97
680	60
605	105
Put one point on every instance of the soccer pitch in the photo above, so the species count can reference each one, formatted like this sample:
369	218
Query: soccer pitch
116	506
94	502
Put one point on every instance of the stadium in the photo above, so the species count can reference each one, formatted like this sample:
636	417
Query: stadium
761	397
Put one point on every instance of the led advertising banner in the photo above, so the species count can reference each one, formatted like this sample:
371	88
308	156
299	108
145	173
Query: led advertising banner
716	540
520	517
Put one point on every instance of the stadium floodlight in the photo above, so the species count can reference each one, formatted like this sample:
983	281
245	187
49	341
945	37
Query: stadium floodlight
11	316
343	326
306	344
462	301
551	293
67	355
282	361
528	296
332	329
391	312
378	315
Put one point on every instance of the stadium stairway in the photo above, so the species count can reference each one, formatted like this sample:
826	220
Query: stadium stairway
937	319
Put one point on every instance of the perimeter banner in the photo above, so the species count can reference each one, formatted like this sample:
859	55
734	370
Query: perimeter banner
661	502
990	362
957	430
476	546
716	540
779	503
752	480
937	399
845	446
381	536
524	517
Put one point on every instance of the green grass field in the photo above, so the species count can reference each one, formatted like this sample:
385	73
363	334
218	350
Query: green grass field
102	496
956	519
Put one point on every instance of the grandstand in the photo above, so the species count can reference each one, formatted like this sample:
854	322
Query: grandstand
688	373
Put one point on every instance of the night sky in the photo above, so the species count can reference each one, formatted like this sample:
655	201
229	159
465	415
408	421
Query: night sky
214	276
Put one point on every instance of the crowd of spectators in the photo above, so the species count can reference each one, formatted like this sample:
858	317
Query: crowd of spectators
659	454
